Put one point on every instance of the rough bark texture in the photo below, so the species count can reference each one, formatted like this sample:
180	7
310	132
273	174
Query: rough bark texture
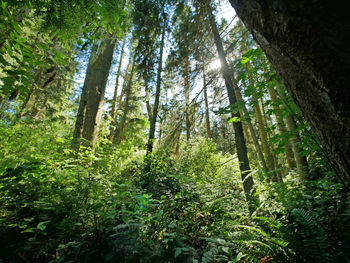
307	42
97	89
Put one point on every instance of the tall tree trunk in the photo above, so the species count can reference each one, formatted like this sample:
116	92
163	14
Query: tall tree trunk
282	128
261	127
152	129
307	43
148	105
207	120
115	95
187	103
84	96
278	172
264	141
300	159
97	89
247	179
244	112
120	100
118	132
164	119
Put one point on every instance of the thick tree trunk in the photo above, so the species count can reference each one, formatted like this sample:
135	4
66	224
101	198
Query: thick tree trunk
97	89
307	42
83	97
154	115
241	147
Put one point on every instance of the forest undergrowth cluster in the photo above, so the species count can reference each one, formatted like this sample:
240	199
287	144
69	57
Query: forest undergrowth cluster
174	131
115	205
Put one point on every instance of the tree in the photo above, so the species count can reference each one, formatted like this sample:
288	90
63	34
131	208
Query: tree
158	86
115	95
241	147
205	94
117	138
92	97
306	41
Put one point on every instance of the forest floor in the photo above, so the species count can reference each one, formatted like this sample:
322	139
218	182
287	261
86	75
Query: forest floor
115	205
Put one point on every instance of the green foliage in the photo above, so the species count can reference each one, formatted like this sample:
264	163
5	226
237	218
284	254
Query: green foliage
114	204
316	247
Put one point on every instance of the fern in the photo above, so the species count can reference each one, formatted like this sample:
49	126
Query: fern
316	247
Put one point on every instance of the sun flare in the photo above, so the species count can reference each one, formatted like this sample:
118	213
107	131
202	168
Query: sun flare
215	64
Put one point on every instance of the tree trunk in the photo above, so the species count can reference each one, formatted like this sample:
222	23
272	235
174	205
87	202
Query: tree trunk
152	129
83	97
282	129
264	141
118	132
164	119
307	42
247	180
251	129
300	159
97	87
207	120
115	95
187	101
148	104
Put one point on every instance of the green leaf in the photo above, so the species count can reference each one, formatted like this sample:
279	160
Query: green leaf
28	230
178	251
234	119
247	56
42	225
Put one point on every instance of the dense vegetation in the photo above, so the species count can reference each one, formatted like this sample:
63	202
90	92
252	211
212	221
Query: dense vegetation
181	145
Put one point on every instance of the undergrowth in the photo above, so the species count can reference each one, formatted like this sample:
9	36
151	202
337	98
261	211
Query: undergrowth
116	206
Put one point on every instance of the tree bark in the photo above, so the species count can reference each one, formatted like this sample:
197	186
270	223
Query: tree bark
78	128
306	41
241	147
97	89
